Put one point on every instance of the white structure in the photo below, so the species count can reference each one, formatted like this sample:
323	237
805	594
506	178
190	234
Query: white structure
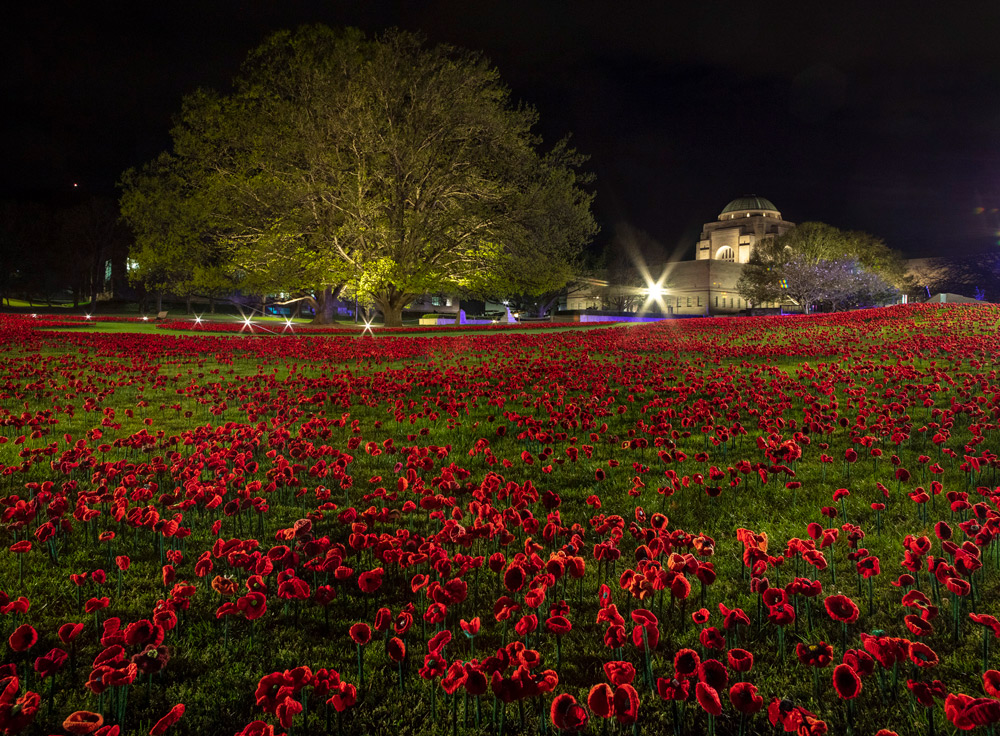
742	224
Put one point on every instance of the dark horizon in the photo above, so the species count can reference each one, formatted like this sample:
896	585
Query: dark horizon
863	117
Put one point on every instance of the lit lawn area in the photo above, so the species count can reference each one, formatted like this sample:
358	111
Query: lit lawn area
681	527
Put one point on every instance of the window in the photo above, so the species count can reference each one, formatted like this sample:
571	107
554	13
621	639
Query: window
716	301
725	253
699	301
689	301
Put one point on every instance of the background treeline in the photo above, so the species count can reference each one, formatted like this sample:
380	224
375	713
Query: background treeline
62	251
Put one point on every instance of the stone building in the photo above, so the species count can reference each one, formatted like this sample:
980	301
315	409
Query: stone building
742	224
707	285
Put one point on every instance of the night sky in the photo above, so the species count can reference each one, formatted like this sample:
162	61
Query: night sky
883	117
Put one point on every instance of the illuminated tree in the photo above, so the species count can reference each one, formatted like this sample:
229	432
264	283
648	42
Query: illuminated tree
382	166
815	263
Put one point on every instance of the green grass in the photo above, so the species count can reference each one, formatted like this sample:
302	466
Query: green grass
469	392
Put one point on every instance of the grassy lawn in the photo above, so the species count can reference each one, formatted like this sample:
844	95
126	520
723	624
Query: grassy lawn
457	478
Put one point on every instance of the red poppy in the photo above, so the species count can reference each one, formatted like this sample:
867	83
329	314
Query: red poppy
926	692
514	578
475	680
454	678
601	700
51	663
83	722
23	638
558	625
360	634
708	698
96	604
619	673
740	660
396	649
700	616
917	626
567	714
958	586
814	655
713	672
884	649
626	701
966	712
286	711
922	655
744	697
846	682
252	605
439	641
168	720
991	683
984	619
371	580
402	623
645	636
344	698
471	628
686	663
711	638
68	632
781	614
675	689
841	608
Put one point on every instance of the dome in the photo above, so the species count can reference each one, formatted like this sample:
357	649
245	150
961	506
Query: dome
750	202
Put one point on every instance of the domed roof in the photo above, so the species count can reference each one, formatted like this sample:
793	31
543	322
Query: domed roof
749	202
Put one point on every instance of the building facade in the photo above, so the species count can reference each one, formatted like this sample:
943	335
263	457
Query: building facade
742	224
707	285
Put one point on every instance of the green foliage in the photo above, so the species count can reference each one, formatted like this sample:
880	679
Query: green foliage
818	263
383	165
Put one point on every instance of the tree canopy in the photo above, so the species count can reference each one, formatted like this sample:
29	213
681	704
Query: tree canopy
382	167
816	264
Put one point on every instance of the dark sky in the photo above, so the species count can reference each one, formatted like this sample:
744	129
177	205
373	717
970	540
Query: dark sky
880	116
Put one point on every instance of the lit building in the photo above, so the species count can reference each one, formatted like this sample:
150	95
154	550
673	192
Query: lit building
742	224
707	285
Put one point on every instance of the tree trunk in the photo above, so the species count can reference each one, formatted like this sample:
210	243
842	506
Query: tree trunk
159	302
391	302
324	304
187	304
211	304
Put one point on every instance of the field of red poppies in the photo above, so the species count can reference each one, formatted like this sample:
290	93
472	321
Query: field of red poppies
710	526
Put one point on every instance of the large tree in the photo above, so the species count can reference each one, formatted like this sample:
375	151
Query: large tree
384	167
815	263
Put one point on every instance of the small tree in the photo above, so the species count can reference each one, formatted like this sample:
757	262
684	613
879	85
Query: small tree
760	280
